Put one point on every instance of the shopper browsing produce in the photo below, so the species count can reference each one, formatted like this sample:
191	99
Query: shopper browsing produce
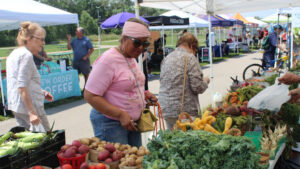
172	77
24	94
115	88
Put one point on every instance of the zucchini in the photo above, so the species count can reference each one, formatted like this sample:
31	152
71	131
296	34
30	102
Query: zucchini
5	137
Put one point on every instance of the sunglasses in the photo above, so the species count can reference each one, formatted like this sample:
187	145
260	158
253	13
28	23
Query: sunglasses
137	43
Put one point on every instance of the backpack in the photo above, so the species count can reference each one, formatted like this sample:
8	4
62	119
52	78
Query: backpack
265	44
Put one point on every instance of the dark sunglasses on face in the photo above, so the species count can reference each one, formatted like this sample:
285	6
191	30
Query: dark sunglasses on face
137	43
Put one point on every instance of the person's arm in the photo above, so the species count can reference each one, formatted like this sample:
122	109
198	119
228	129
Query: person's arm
87	56
289	78
69	41
101	105
33	115
198	83
46	56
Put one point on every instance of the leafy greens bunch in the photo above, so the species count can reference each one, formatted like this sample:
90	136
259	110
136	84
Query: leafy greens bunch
200	150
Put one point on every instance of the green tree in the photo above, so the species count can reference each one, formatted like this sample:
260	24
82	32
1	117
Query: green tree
88	23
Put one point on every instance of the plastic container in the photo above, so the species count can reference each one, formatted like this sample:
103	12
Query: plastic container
254	136
45	154
74	161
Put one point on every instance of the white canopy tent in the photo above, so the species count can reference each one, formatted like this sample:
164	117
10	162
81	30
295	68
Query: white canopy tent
194	21
13	12
210	7
259	22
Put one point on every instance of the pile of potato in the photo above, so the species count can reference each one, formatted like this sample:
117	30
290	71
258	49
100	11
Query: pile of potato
133	155
133	158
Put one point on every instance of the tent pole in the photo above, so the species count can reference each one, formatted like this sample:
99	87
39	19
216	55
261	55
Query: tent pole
220	42
137	15
163	42
2	94
291	39
210	62
277	49
172	37
99	31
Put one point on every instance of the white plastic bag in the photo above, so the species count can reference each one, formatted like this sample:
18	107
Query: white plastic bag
37	128
271	98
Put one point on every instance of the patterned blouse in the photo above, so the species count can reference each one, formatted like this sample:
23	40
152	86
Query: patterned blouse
171	83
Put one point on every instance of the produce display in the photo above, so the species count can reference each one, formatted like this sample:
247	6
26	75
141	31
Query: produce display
200	149
11	142
115	155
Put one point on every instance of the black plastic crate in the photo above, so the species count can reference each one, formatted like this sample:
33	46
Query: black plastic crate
44	155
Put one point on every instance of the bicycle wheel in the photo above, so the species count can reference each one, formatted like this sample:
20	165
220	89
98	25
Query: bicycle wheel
253	70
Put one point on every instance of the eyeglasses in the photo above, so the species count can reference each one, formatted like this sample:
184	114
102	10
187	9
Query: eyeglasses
137	43
42	39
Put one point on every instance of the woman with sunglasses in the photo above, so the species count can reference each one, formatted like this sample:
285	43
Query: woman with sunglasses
172	77
24	94
115	88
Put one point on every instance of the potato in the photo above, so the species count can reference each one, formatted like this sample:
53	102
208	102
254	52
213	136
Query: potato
130	162
147	152
95	139
126	151
100	149
133	150
94	145
123	164
85	141
139	160
122	147
133	156
127	156
141	152
103	142
123	159
117	145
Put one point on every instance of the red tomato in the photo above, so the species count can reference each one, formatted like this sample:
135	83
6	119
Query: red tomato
100	166
37	167
67	166
92	167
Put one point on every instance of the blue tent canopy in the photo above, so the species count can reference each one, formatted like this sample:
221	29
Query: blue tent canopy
118	20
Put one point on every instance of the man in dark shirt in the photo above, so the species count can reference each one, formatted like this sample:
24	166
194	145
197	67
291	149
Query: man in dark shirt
269	54
82	49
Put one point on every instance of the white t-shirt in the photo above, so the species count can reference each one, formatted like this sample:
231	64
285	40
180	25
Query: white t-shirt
22	72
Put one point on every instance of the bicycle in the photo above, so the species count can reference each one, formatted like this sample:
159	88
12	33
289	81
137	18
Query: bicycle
257	70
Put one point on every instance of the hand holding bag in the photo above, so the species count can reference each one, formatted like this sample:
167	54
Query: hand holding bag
145	123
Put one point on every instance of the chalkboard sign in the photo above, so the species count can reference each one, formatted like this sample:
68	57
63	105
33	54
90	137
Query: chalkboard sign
205	55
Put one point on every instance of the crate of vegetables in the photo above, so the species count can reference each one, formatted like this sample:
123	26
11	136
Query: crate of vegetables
25	149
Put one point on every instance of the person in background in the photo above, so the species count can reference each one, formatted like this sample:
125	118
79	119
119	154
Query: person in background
260	36
269	54
82	49
40	57
115	88
171	81
24	94
266	32
248	38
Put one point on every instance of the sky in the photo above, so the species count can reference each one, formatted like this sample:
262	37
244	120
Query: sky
261	14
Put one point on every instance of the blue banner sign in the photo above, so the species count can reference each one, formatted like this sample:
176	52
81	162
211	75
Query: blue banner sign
61	84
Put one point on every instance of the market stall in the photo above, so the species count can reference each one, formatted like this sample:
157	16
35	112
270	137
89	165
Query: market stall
57	79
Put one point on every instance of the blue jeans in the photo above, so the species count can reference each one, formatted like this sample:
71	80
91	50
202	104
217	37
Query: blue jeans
112	130
268	60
